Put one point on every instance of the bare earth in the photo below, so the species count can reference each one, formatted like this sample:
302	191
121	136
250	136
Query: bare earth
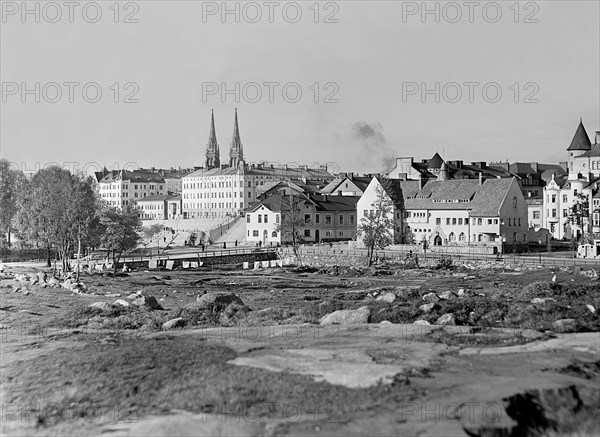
505	367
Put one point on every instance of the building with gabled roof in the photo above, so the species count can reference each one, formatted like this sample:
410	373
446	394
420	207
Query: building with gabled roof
347	184
120	188
452	212
325	218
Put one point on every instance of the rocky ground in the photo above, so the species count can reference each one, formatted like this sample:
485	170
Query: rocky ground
391	350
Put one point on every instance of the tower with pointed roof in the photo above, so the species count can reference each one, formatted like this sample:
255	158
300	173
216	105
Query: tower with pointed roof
580	144
236	150
213	159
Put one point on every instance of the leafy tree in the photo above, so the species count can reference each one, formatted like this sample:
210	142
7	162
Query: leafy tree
376	230
292	222
120	232
58	209
11	182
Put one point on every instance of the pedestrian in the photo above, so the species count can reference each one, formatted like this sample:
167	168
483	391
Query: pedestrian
224	245
236	243
260	243
165	239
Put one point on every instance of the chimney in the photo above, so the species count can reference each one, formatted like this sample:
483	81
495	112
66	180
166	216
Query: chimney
534	166
402	176
598	137
480	178
421	181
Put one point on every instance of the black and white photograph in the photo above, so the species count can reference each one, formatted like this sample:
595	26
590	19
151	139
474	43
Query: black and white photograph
304	218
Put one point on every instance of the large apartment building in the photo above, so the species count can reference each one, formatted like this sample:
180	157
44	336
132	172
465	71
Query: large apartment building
452	212
121	188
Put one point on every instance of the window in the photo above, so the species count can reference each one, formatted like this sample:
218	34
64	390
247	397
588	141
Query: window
327	219
447	221
564	198
565	212
454	220
438	221
452	237
460	221
554	213
352	219
249	194
536	215
495	221
466	221
479	222
341	233
274	234
307	232
553	197
317	218
255	233
341	219
276	218
306	218
259	218
266	218
462	237
247	218
365	213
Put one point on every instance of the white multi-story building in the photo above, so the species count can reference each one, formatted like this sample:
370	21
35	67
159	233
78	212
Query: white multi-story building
121	188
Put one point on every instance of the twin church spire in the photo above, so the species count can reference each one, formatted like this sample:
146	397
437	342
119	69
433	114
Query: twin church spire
236	150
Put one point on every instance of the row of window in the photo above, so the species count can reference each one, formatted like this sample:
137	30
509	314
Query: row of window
213	195
260	218
565	197
104	187
221	205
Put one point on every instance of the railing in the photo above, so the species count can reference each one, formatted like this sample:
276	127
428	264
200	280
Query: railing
395	254
196	254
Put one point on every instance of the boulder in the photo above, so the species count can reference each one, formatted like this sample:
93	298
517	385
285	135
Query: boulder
347	317
427	307
446	295
149	302
591	308
218	300
460	292
173	323
121	302
430	297
446	319
385	322
421	322
53	282
102	306
563	325
386	297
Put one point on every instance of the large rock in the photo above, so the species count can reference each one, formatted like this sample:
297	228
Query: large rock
217	300
563	325
427	307
149	302
430	297
421	322
347	317
53	282
446	319
173	323
102	306
446	295
386	297
121	302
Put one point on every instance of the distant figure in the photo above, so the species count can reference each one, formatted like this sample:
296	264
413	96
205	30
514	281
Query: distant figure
224	245
202	247
165	239
236	243
330	244
185	242
260	243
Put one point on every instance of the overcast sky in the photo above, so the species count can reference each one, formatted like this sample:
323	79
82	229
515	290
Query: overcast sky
368	61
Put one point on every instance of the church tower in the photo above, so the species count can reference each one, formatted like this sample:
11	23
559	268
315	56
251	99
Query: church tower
212	148
236	151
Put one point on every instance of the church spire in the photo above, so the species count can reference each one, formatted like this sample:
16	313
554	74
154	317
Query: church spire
212	148
236	151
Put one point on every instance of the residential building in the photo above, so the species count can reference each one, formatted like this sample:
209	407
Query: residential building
160	207
452	212
324	218
120	188
348	184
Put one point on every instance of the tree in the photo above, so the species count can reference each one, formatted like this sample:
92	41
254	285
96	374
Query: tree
120	232
292	222
58	209
11	182
579	213
376	229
